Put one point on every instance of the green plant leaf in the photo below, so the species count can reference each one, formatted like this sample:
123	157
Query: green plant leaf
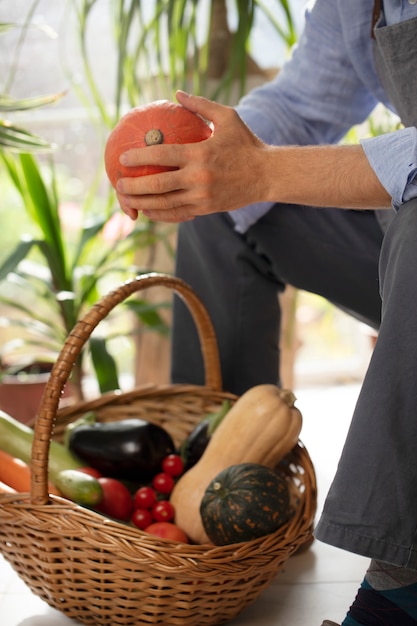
6	26
104	365
17	255
44	212
88	235
17	139
148	315
288	35
8	104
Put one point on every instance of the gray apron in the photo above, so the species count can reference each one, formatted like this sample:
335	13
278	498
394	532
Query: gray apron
395	59
371	508
394	52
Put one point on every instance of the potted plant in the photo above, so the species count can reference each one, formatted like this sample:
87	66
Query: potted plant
49	279
15	139
61	267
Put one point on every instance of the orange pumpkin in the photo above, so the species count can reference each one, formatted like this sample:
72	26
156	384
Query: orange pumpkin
158	122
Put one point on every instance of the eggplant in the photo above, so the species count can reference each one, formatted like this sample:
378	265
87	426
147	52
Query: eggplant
194	445
131	449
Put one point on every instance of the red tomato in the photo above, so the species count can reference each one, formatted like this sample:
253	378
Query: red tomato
163	511
164	483
91	471
173	465
144	498
117	500
141	518
167	530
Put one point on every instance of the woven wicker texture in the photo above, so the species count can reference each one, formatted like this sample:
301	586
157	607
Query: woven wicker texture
105	573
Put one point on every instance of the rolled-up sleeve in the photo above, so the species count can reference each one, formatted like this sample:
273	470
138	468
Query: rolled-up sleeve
393	157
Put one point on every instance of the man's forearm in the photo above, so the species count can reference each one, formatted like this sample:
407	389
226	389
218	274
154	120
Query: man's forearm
338	176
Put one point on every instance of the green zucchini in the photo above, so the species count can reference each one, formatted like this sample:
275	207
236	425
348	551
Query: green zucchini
16	439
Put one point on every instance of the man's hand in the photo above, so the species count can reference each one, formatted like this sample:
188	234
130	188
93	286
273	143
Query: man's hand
221	173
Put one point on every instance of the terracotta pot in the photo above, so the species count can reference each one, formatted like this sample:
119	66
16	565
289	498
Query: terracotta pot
20	396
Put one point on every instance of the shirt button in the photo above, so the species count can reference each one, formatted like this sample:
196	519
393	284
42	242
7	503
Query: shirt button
412	1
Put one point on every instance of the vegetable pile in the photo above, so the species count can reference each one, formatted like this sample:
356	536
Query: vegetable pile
220	486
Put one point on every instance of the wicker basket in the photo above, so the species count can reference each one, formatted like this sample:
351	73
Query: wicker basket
105	573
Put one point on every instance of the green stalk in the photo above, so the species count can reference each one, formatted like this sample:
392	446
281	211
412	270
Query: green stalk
89	74
19	45
289	37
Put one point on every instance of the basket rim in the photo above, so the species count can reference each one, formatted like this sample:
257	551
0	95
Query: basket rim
146	389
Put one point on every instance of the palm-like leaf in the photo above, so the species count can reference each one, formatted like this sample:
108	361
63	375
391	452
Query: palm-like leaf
9	104
18	139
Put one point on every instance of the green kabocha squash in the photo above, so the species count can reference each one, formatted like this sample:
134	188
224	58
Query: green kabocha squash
243	502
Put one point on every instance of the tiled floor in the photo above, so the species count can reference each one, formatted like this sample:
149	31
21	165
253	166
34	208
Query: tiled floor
321	583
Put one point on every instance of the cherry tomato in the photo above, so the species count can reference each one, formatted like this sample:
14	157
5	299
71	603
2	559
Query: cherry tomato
141	518
117	500
163	511
91	471
173	465
144	498
164	483
167	530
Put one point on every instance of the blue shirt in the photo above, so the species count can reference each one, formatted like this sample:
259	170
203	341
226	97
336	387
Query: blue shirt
329	85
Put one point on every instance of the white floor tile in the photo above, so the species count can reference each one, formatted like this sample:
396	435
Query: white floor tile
319	584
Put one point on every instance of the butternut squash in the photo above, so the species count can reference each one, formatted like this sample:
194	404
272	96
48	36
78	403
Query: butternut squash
261	427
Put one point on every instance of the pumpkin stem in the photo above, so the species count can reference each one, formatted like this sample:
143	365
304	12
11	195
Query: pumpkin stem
287	396
153	137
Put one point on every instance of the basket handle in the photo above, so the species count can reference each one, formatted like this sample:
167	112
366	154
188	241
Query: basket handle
46	416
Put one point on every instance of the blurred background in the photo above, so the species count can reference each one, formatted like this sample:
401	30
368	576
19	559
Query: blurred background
92	60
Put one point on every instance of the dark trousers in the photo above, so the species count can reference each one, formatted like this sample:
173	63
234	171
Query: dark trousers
330	252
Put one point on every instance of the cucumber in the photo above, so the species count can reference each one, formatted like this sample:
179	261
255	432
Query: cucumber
79	487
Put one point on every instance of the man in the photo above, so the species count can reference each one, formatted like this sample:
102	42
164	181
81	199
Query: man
337	220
